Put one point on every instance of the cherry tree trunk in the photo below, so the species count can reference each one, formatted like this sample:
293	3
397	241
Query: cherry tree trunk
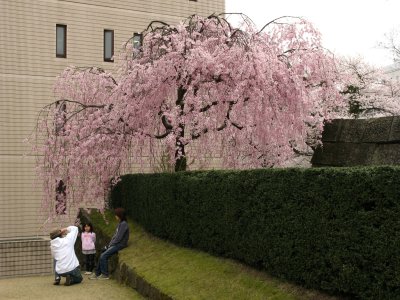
180	157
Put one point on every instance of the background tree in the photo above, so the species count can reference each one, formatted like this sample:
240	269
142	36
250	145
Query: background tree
368	91
201	87
392	44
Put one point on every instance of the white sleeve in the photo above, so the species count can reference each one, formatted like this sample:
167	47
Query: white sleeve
72	234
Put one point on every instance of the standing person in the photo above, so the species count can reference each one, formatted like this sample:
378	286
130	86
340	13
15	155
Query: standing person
88	238
118	242
63	252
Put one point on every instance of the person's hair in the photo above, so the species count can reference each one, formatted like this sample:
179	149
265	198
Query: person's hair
55	234
88	224
120	213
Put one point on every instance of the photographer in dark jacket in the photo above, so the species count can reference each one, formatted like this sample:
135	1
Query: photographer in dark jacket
118	242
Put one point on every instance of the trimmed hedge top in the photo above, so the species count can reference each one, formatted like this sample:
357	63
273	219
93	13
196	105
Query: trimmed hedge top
335	229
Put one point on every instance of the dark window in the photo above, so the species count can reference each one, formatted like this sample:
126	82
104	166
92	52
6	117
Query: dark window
108	45
137	40
193	0
61	41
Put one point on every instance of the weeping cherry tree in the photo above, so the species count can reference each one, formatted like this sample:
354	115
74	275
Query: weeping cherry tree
198	88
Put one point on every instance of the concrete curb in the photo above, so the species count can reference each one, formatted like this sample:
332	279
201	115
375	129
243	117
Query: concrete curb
128	276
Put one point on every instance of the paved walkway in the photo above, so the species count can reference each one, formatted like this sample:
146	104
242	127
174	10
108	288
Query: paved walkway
41	287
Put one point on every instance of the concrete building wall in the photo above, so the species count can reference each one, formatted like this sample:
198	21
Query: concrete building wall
28	67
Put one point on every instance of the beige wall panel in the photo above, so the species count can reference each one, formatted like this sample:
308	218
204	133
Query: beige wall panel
21	98
20	200
85	25
180	8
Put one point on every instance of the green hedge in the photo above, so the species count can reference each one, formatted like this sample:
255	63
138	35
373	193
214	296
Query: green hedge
335	229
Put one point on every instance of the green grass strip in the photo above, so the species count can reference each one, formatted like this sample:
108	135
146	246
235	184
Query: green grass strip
190	274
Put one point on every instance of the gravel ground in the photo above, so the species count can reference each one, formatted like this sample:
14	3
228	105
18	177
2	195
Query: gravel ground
41	287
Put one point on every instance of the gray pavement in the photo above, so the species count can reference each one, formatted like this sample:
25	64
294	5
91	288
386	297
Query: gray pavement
41	287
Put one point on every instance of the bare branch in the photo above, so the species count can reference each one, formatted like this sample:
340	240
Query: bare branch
207	107
274	22
165	122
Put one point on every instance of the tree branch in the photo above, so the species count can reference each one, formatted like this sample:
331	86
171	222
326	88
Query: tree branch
208	106
274	22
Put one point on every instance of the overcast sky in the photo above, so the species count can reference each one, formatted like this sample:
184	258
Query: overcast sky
348	27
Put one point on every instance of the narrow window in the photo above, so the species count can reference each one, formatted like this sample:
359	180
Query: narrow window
61	41
137	40
108	45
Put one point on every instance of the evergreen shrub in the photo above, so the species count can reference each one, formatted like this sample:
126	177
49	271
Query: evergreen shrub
333	229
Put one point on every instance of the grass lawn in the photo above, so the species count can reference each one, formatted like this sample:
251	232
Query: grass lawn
184	273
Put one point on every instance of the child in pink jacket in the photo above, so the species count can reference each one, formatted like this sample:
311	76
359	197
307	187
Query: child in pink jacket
88	238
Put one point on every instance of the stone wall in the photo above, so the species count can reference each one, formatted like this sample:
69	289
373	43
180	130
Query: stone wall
23	257
360	142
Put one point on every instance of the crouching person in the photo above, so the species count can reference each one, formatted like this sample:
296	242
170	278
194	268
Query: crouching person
66	263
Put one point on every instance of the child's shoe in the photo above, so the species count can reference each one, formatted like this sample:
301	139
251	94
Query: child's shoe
102	276
94	276
88	273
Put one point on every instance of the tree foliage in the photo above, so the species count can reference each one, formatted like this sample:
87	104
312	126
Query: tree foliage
200	88
392	44
368	91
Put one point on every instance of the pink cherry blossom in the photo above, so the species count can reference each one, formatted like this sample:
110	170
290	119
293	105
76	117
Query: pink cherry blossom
196	90
368	87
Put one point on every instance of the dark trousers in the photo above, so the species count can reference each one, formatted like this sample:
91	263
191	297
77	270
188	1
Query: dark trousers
75	274
102	266
89	262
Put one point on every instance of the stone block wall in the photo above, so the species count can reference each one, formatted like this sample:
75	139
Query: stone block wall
359	142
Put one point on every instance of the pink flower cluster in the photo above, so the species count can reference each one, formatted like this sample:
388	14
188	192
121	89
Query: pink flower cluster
198	89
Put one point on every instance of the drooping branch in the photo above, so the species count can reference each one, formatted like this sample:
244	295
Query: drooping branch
228	118
166	123
208	106
246	19
392	44
204	81
161	136
150	26
197	135
274	22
